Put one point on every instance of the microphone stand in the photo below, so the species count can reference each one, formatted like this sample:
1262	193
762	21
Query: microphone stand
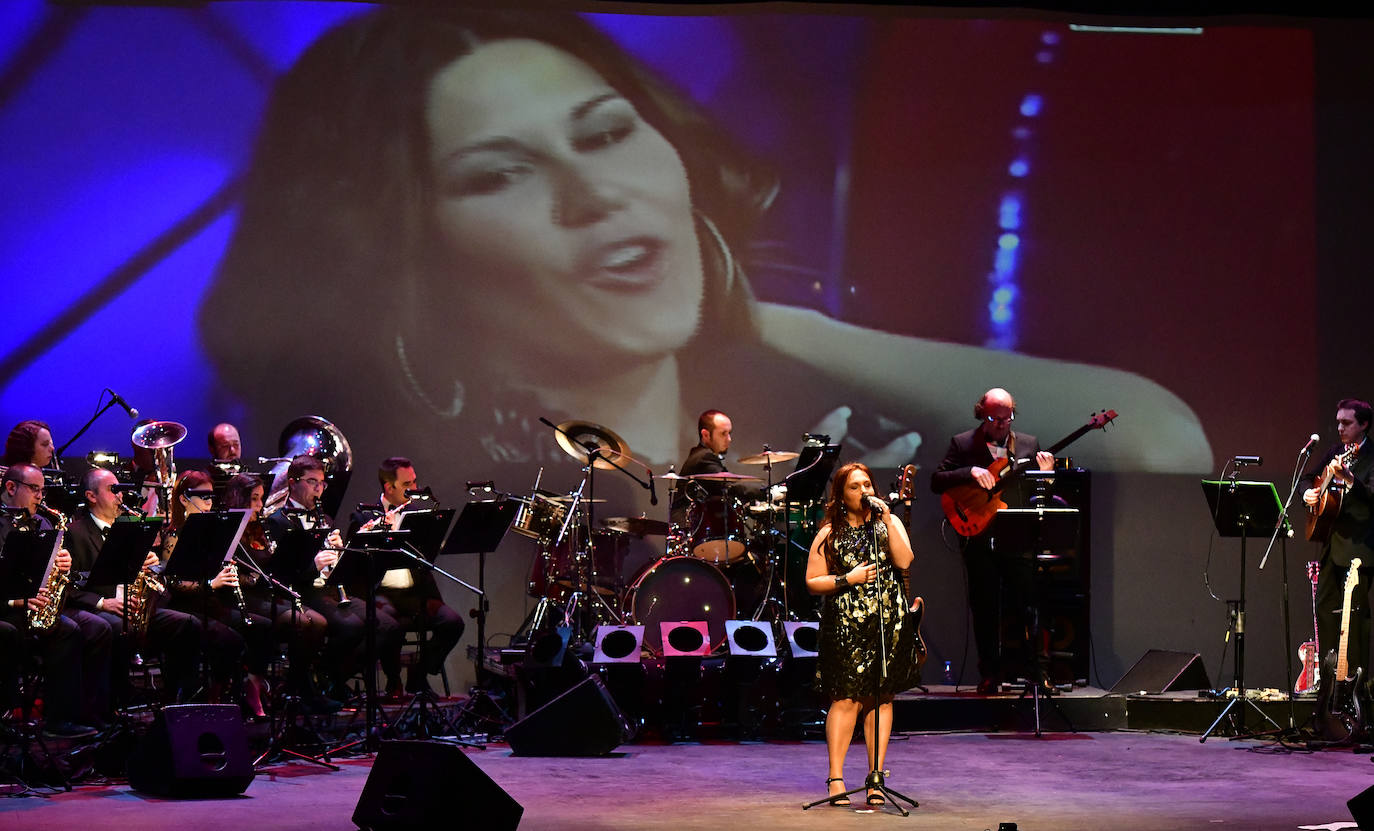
57	454
1280	527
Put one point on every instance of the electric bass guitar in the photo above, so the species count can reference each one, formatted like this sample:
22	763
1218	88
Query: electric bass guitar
1310	653
1321	516
1340	714
970	507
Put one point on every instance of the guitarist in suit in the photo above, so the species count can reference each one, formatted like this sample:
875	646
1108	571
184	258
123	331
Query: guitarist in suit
1352	531
991	571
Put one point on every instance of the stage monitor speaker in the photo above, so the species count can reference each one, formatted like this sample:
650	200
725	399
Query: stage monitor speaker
420	784
1361	807
584	721
193	750
1161	670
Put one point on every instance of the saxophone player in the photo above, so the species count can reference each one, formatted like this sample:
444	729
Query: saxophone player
345	623
177	635
75	650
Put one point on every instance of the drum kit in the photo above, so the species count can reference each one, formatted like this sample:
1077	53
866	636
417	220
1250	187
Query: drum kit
720	561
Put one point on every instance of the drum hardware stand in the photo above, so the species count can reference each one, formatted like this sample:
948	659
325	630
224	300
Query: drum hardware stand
877	778
1238	508
608	449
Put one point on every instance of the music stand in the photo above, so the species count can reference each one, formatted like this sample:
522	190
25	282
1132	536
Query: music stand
368	555
1022	534
23	560
479	530
1240	509
204	543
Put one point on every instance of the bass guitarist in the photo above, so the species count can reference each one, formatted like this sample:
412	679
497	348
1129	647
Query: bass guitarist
990	570
1347	470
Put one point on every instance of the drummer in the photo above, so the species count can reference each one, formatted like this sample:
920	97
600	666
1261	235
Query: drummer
713	440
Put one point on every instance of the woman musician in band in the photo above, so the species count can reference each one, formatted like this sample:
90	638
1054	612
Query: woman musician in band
840	567
233	633
302	628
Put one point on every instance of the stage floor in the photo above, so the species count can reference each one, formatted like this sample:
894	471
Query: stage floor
1106	781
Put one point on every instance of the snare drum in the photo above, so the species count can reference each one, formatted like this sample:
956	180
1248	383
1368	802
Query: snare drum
538	517
718	533
680	588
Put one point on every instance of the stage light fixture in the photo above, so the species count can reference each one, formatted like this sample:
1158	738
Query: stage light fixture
685	638
618	644
750	637
803	637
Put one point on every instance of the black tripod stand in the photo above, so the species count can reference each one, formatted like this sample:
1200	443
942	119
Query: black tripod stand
479	530
1238	510
877	778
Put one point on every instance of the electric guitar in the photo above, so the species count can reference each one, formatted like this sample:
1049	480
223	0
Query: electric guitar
1321	516
970	507
1310	652
1340	715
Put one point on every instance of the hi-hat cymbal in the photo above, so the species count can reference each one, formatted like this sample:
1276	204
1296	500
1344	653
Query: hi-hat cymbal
574	436
639	526
769	457
672	476
724	476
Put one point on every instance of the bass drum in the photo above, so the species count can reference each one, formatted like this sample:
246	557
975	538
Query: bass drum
679	588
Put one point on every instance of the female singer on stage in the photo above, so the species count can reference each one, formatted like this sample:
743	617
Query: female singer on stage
235	634
841	568
529	222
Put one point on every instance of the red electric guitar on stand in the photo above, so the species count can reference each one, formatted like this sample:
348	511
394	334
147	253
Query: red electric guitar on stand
1310	653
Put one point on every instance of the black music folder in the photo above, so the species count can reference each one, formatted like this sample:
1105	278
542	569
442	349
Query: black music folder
1249	508
125	548
22	562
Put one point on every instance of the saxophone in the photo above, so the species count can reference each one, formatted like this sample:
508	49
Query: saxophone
55	580
138	606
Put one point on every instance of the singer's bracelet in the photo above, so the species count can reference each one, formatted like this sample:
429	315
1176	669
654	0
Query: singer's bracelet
841	580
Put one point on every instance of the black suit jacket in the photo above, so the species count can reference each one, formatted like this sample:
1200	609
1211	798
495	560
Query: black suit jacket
969	450
83	541
1352	534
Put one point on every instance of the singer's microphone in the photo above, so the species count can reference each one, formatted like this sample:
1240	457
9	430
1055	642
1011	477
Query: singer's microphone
875	504
119	399
1307	448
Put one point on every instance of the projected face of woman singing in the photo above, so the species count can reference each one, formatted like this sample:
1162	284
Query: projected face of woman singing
573	211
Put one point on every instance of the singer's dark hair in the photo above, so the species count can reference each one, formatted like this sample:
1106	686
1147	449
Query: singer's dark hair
835	509
23	441
1363	412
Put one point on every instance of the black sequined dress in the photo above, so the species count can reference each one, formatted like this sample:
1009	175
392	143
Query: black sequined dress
849	625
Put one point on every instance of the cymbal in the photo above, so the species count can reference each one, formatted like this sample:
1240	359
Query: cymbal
573	436
672	476
725	476
768	457
638	525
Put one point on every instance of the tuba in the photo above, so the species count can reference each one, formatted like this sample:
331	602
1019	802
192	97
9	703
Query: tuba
55	580
160	437
308	436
